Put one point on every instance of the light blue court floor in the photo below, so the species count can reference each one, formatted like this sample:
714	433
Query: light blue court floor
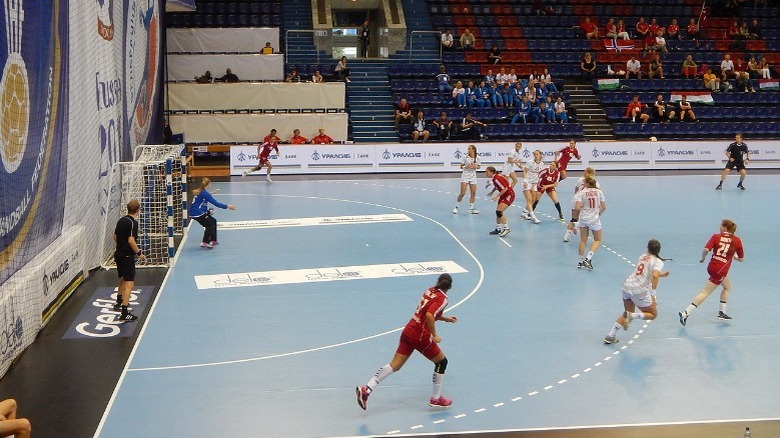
268	334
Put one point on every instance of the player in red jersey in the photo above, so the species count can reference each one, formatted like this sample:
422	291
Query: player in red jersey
548	180
419	334
505	197
724	246
564	155
270	142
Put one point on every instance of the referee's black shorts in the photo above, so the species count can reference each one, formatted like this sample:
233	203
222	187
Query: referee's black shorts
125	267
739	165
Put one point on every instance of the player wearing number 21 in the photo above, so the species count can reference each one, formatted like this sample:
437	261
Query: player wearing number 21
724	246
639	290
419	334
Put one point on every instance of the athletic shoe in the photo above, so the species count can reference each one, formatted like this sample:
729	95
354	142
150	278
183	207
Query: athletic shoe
244	174
740	186
362	396
268	179
611	340
627	318
214	243
455	210
440	402
683	318
496	232
504	232
723	317
535	220
525	216
472	211
719	187
116	307
587	264
127	317
566	236
560	218
580	264
206	245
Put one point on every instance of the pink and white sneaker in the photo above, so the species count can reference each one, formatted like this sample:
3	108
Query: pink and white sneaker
440	402
214	243
362	396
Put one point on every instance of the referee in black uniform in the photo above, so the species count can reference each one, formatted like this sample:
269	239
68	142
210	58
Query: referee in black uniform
738	155
126	236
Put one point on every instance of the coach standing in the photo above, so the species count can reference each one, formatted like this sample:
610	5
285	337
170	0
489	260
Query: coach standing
738	155
126	237
365	39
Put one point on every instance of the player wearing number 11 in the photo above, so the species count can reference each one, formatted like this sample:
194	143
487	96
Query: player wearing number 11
724	246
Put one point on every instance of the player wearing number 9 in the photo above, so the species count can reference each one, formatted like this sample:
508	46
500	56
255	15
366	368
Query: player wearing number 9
639	290
724	246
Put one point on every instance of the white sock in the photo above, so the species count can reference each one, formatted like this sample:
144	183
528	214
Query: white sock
379	376
723	306
438	379
590	255
567	235
688	310
614	330
638	315
471	205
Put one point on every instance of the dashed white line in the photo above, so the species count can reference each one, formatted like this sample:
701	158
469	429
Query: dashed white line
533	393
480	410
439	421
561	382
498	405
419	426
460	415
517	398
548	387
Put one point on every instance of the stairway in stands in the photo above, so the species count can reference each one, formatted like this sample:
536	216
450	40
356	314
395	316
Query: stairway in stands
425	46
590	113
299	46
370	101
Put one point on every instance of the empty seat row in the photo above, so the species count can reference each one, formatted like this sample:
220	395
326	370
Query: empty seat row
738	113
696	129
222	20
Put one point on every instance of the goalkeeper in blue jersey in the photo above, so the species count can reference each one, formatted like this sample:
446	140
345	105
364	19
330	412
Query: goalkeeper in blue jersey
200	211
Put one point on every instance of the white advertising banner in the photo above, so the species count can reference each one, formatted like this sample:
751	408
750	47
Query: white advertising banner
255	95
249	128
246	67
216	40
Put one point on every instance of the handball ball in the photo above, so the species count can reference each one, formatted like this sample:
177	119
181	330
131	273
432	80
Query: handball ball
653	138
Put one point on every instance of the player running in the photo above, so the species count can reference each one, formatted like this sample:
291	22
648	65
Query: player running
270	142
588	208
531	172
564	155
724	246
505	197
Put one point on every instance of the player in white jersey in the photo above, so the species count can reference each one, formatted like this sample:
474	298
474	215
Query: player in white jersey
513	162
639	290
588	208
531	172
571	227
469	163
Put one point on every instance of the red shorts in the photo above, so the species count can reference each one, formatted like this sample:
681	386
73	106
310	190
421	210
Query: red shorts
412	339
262	160
507	198
547	190
562	166
717	272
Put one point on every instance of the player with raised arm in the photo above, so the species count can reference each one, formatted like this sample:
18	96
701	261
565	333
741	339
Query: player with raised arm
571	227
639	290
548	181
724	246
270	142
504	198
564	155
588	207
469	163
739	156
514	160
531	171
419	334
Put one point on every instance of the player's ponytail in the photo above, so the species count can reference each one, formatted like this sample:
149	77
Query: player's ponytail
654	248
444	282
729	226
203	184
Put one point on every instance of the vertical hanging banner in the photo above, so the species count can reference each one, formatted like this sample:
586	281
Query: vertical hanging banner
32	122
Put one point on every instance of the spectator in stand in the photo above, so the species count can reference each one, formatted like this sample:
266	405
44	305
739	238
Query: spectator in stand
673	30
685	109
205	78
447	41
588	68
267	49
547	108
523	113
297	138
693	30
660	42
322	138
536	115
502	77
365	39
621	30
752	68
653	27
633	68
293	76
734	34
511	77
481	96
560	110
489	77
471	128
342	70
634	111
9	424
744	32
459	95
229	77
661	112
467	40
755	29
546	79
443	82
471	95
743	77
656	67
507	95
711	81
420	128
495	96
727	68
689	68
403	113
642	28
611	29
317	78
762	69
590	30
494	57
444	126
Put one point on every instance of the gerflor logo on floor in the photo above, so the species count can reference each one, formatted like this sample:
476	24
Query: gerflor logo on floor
98	319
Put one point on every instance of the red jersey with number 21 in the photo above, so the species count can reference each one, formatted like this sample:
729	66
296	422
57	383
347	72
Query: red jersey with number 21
433	301
724	246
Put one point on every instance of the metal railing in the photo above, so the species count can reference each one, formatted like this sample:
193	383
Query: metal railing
298	31
418	32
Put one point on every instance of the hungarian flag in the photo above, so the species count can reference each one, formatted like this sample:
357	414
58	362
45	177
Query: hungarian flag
618	45
608	84
693	96
769	84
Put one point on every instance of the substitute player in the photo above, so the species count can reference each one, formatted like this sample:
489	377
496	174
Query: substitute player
639	290
419	334
505	197
533	167
548	181
564	155
588	208
739	156
469	163
724	246
270	142
571	227
126	238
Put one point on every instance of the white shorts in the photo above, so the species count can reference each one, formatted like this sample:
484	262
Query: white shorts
592	225
640	298
528	186
508	169
470	180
